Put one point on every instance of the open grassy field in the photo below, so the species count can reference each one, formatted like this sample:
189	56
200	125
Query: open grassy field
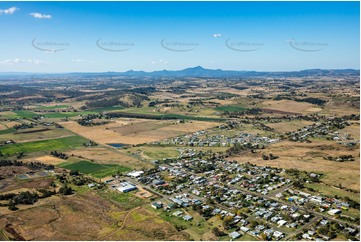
17	185
290	106
18	114
6	131
353	130
155	153
107	109
144	224
46	159
94	169
3	127
332	191
137	131
339	108
65	114
88	217
230	108
104	155
284	127
159	153
125	200
60	144
52	107
34	134
309	157
8	124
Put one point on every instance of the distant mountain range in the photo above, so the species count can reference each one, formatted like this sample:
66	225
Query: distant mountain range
199	71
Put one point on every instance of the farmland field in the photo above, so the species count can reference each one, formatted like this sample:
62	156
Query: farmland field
18	114
103	155
136	132
284	127
65	114
290	106
94	169
52	107
7	131
46	159
231	108
60	144
34	134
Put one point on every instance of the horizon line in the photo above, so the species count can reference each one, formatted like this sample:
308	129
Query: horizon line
132	70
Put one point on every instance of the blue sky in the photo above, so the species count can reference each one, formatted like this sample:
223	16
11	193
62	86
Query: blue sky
119	36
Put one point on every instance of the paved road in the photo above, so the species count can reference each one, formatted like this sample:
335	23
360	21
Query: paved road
270	196
305	226
324	216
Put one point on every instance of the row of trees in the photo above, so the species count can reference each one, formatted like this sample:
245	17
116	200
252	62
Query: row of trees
59	155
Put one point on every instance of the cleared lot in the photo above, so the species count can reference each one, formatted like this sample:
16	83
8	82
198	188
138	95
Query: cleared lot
136	131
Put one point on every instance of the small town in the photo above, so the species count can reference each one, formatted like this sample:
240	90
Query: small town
263	202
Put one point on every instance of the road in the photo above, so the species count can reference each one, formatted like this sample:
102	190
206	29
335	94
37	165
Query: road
270	196
305	226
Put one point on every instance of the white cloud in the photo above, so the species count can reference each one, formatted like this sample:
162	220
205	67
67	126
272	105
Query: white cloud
40	15
217	35
8	11
20	61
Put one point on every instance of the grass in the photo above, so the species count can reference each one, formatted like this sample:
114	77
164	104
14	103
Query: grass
7	131
142	110
3	237
145	115
158	153
107	109
66	114
21	114
51	107
231	108
196	228
61	144
51	133
126	200
352	212
94	169
330	191
179	116
81	189
176	221
247	237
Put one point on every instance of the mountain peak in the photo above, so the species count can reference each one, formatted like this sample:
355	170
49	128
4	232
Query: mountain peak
195	68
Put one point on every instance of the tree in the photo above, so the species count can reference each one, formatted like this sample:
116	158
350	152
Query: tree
217	232
264	236
65	190
12	206
227	222
254	223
